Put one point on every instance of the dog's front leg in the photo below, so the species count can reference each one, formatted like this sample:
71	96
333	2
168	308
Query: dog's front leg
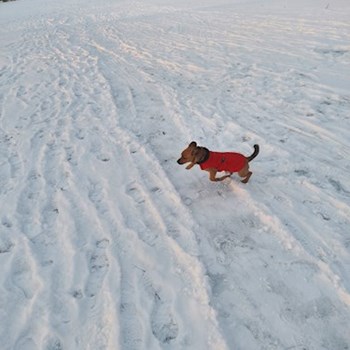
190	166
212	176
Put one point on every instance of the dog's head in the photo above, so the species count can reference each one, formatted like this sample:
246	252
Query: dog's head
188	154
192	154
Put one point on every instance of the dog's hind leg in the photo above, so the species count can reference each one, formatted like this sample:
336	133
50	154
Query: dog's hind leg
245	173
212	175
246	179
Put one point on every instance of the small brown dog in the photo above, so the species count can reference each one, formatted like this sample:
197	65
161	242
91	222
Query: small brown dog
214	162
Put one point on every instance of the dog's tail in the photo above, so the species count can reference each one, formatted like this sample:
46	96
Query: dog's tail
254	154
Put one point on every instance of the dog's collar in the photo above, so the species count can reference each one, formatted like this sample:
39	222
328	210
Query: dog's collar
206	156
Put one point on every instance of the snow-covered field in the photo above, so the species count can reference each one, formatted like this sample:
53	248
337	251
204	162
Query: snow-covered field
106	242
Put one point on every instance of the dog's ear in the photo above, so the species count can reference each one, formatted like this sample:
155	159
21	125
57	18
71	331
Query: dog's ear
193	144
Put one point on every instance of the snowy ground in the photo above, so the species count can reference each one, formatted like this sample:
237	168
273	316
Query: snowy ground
106	242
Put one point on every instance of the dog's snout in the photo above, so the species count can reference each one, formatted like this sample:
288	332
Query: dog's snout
179	161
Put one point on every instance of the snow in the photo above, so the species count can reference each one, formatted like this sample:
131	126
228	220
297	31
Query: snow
106	242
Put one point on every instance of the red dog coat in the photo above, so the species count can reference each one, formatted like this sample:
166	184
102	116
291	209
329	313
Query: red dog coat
225	161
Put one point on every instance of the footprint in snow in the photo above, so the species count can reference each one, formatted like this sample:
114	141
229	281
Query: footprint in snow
143	224
98	268
70	156
6	222
132	327
164	326
135	193
80	134
25	343
218	283
316	309
337	185
103	157
22	278
21	91
332	52
224	246
6	245
301	172
53	343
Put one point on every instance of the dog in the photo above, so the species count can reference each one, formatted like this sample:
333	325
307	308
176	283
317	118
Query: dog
214	162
